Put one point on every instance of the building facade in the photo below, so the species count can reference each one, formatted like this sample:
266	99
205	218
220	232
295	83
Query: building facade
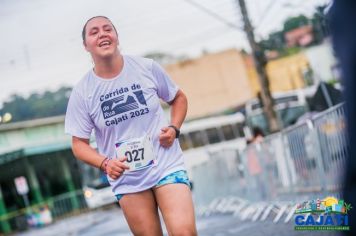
39	151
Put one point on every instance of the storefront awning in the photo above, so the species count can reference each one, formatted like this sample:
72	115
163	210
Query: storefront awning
30	151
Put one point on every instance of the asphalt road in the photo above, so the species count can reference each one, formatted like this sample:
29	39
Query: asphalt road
111	221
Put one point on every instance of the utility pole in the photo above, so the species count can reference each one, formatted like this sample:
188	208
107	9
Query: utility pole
260	63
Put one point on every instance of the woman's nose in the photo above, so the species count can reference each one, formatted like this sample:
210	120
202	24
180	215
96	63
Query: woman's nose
102	33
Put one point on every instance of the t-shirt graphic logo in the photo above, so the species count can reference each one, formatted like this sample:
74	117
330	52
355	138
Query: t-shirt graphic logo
119	105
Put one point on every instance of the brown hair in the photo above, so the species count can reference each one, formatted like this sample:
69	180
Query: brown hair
85	25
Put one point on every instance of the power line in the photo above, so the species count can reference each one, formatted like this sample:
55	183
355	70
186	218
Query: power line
267	11
213	14
166	16
203	38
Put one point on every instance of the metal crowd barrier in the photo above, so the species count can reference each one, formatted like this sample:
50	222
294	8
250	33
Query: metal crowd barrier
67	204
46	212
303	161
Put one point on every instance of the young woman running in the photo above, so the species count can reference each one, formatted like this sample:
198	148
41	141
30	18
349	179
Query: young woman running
138	149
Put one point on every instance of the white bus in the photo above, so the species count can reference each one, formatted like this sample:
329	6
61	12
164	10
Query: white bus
212	130
289	106
200	138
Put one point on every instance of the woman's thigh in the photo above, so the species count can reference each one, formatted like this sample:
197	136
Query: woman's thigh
141	213
176	205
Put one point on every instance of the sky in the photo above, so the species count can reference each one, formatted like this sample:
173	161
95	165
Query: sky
41	47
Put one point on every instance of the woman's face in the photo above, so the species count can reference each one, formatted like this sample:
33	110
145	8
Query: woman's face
100	38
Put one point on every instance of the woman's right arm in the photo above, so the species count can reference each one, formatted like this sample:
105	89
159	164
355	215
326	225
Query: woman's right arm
84	152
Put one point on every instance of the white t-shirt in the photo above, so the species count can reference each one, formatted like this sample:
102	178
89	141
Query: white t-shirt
124	108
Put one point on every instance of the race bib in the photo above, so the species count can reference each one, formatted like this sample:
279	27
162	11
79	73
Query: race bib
139	153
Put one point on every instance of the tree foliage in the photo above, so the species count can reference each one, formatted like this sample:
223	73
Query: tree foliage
295	22
37	105
276	40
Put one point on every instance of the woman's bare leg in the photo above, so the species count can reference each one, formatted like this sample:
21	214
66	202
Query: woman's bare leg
176	205
141	213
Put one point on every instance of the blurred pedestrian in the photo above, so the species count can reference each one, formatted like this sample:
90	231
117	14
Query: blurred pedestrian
342	18
255	162
258	135
138	148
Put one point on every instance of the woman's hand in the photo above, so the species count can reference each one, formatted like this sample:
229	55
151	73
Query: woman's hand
116	167
167	136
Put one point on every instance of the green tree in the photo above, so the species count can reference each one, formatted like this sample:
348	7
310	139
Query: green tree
295	22
320	23
275	41
37	105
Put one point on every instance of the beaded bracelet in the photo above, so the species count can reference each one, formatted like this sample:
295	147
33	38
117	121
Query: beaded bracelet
101	164
106	162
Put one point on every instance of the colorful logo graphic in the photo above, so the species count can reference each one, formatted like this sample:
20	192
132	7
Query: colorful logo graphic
329	213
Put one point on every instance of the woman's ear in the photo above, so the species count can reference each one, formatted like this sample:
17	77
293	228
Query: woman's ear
85	46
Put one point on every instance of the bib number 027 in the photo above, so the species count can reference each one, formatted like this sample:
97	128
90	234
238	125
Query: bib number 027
135	155
138	152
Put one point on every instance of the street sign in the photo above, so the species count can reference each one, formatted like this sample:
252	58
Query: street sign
21	185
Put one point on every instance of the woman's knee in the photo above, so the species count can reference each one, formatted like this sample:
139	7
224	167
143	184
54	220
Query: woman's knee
144	221
183	231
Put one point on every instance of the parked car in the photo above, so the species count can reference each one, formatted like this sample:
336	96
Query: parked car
99	194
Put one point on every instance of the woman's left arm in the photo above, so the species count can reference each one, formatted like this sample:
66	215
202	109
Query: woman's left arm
179	107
